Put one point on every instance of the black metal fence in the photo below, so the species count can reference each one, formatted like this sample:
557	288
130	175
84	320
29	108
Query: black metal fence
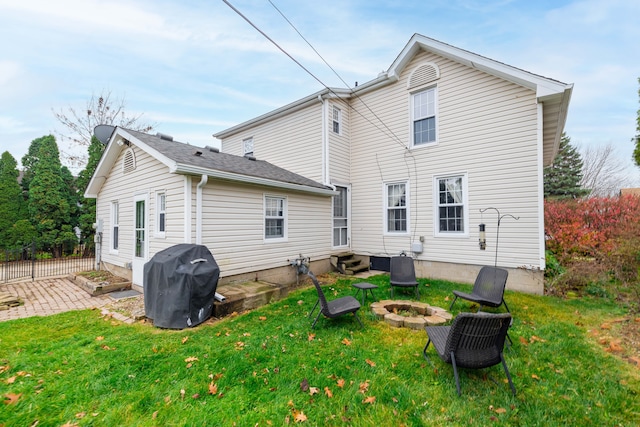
31	262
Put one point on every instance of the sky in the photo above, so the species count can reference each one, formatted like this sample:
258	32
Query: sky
195	67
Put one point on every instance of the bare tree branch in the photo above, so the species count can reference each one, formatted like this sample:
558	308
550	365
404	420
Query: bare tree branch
603	172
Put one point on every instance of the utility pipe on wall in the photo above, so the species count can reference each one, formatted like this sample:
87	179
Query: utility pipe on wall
199	187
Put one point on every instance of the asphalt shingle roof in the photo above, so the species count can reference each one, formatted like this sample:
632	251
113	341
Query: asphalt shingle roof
185	154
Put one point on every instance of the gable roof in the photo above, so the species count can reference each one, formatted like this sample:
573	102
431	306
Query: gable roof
552	94
185	159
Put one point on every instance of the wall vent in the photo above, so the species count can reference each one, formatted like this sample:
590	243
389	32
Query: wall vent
424	74
128	161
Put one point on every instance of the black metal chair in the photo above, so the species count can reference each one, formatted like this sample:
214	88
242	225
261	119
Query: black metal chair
402	274
336	307
488	289
474	341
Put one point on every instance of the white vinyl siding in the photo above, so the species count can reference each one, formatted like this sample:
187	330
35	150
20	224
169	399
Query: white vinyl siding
486	127
293	142
149	176
237	241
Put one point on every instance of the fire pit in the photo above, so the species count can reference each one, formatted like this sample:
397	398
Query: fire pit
409	314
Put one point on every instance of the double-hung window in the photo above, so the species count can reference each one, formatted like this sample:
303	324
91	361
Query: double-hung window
115	226
396	207
336	120
247	147
424	116
451	205
275	218
161	214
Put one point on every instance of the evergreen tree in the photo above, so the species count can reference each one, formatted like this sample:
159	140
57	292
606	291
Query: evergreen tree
562	178
49	199
88	206
12	206
29	162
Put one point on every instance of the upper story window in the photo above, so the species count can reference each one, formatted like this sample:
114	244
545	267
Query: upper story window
396	207
161	213
336	120
247	147
423	116
115	226
451	205
275	218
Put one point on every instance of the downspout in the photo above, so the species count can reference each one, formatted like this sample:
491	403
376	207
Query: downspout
201	184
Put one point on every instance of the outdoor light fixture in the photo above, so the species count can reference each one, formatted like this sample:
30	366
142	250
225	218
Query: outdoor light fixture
483	238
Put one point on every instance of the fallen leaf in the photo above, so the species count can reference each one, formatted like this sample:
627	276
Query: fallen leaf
263	318
364	387
536	339
4	368
328	392
196	396
311	337
635	360
535	377
346	341
605	326
11	380
213	388
100	338
615	347
299	416
81	415
182	393
185	339
523	340
314	390
191	359
500	411
304	385
340	383
370	363
154	415
370	400
11	398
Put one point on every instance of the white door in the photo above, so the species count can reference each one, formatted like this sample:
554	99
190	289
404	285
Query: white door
140	239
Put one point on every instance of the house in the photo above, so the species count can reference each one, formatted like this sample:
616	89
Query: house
406	163
153	192
419	152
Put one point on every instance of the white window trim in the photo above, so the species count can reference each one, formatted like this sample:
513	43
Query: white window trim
333	110
285	215
348	201
385	214
114	212
411	117
465	204
160	234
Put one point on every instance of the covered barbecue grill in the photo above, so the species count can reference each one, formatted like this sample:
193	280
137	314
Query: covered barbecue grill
179	286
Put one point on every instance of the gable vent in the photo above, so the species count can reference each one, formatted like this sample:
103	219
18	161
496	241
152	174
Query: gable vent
129	161
424	74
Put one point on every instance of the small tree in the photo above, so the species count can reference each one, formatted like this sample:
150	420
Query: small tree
100	110
88	206
562	178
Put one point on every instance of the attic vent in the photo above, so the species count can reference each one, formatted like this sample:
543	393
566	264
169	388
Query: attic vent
212	149
197	153
250	157
164	136
425	73
129	161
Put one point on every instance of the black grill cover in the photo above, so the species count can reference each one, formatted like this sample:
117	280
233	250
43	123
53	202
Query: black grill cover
179	286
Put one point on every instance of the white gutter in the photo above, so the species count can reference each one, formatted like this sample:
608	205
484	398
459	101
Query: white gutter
194	170
201	184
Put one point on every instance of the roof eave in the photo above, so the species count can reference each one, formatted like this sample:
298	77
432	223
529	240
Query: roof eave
247	179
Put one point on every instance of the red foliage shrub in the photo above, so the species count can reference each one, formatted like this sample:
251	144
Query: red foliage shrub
589	227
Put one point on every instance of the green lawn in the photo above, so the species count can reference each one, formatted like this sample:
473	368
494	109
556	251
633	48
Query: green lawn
268	367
